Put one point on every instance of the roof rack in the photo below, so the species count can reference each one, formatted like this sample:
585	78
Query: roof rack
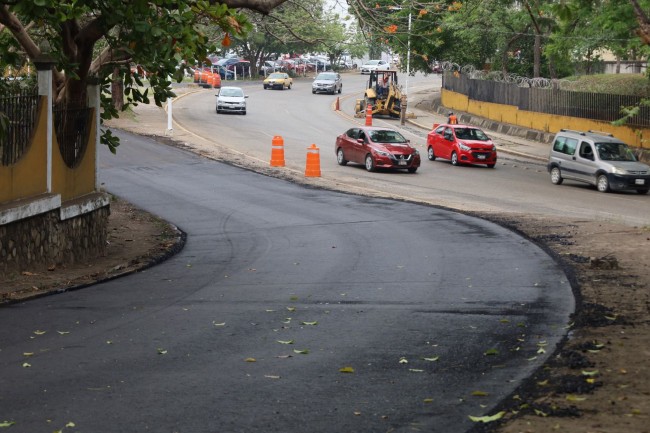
601	133
573	130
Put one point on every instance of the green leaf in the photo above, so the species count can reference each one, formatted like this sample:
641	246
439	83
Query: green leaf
309	323
301	352
479	394
491	352
484	419
285	341
432	359
7	423
346	370
590	373
161	351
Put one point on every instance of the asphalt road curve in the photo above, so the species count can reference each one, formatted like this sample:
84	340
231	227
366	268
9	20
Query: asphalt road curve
290	309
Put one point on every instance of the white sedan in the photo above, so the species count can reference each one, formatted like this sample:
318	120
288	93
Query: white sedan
374	65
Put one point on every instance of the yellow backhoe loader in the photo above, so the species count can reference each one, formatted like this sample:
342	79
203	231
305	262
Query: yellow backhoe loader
383	94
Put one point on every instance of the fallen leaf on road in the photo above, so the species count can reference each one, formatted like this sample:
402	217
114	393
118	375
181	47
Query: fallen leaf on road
161	351
435	358
346	370
7	423
250	360
480	393
491	352
309	323
285	341
302	352
39	332
495	417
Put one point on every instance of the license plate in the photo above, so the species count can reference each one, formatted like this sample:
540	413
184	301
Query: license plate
480	156
639	181
401	162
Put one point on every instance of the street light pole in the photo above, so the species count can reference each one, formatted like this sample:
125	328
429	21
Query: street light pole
408	57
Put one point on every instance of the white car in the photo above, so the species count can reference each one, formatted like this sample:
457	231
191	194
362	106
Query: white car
374	65
231	100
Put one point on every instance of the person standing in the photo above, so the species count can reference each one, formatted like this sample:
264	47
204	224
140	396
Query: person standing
452	120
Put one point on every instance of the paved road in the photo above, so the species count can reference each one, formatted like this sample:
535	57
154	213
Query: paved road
371	284
517	185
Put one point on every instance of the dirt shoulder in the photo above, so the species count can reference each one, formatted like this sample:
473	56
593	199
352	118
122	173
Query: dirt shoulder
599	381
136	240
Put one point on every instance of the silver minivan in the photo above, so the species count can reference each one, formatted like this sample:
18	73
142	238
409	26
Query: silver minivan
598	159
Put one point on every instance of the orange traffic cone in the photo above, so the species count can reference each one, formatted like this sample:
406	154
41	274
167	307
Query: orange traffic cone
312	168
369	115
197	75
216	80
277	152
337	107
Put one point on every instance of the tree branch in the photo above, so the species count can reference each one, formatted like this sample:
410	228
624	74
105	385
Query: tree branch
644	23
261	6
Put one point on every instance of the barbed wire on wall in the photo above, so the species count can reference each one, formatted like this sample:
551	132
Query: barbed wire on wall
476	74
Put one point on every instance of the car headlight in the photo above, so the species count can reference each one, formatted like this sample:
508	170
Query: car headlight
416	152
617	170
463	146
494	148
382	153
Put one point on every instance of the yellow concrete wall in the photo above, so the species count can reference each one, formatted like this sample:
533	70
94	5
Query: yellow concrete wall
540	121
28	176
73	183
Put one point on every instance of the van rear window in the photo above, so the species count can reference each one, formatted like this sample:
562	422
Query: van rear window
565	145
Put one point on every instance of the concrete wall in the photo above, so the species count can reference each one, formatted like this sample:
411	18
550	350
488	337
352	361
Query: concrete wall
51	214
547	123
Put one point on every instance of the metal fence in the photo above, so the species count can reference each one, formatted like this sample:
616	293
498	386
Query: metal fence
18	115
72	127
549	100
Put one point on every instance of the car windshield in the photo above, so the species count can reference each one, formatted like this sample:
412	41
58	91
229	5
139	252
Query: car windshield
372	62
326	77
470	134
386	136
614	152
231	92
276	75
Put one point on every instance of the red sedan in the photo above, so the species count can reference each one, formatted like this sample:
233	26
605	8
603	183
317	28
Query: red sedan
462	144
376	148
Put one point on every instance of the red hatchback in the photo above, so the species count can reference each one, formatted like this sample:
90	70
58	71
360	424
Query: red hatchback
376	148
462	144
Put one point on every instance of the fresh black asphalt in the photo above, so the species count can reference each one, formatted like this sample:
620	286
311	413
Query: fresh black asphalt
290	309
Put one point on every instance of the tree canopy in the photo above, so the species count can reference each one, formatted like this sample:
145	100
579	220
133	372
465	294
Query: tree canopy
96	38
530	37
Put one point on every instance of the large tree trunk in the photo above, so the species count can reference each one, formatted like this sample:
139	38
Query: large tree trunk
117	89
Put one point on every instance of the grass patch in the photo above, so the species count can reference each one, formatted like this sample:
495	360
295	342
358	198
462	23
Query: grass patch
615	84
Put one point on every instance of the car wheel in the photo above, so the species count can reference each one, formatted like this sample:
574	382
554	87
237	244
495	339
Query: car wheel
243	112
412	169
490	165
556	176
430	154
266	87
340	89
340	157
642	191
454	158
370	163
289	86
602	183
